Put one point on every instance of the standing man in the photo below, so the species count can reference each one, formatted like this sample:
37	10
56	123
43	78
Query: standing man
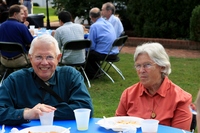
69	31
102	35
12	30
108	11
28	4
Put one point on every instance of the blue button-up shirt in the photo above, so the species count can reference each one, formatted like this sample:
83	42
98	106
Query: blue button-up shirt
102	35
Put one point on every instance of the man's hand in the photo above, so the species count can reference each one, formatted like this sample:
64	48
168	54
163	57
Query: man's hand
34	113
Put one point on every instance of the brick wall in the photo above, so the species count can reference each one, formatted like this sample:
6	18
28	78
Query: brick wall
167	43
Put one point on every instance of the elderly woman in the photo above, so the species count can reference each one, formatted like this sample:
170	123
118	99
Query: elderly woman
155	96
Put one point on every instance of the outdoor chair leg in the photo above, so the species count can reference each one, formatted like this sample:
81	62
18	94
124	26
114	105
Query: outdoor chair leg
100	69
117	70
88	81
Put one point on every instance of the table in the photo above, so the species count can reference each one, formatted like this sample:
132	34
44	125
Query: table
93	128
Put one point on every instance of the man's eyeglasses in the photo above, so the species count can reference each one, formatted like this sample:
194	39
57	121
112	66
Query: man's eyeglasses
40	58
145	66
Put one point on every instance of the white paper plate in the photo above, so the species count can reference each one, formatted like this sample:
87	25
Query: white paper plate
120	123
45	129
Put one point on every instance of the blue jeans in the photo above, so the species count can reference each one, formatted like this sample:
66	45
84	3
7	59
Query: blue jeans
28	4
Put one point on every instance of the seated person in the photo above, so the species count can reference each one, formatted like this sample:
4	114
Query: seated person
69	31
102	35
3	11
28	20
155	96
3	6
12	30
108	12
23	96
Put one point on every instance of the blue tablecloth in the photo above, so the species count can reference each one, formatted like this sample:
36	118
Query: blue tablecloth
93	128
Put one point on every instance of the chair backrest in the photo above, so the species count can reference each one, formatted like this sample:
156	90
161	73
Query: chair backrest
12	47
77	45
120	41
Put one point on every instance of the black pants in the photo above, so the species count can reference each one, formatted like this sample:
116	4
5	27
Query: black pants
194	123
91	66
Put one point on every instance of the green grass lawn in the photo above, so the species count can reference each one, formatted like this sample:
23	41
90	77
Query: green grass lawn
52	16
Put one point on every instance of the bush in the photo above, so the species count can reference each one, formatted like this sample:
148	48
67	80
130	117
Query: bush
161	18
195	24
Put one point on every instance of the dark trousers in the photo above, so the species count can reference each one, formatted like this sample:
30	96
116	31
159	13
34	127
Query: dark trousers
91	66
194	123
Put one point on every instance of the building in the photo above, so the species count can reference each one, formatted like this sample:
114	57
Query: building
42	3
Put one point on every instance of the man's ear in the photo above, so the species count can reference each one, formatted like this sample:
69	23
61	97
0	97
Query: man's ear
59	57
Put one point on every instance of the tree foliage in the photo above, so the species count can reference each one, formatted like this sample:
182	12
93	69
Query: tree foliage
195	24
161	18
146	18
82	7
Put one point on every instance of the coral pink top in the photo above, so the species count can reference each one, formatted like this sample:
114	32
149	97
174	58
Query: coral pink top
170	104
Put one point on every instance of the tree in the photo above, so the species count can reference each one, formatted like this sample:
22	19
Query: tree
161	18
82	7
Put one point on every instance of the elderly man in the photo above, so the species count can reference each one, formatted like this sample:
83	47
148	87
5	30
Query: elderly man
45	87
12	30
108	11
102	35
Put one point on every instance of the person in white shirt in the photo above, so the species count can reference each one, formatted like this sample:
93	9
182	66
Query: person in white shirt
108	11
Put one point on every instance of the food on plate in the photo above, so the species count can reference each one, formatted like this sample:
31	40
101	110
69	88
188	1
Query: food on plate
125	122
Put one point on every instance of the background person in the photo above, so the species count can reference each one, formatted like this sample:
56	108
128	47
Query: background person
108	12
12	30
28	20
24	8
102	36
3	11
28	4
23	97
69	31
13	2
155	96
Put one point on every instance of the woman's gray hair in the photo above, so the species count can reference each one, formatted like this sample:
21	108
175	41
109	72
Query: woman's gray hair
157	53
48	39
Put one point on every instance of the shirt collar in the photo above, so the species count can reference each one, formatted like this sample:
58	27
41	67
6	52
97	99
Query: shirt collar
52	80
161	91
67	23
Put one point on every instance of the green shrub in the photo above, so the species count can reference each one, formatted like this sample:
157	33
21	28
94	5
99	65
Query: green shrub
36	4
161	18
195	24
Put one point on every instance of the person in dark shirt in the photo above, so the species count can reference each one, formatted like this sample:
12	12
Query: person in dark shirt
24	98
3	11
12	2
12	30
